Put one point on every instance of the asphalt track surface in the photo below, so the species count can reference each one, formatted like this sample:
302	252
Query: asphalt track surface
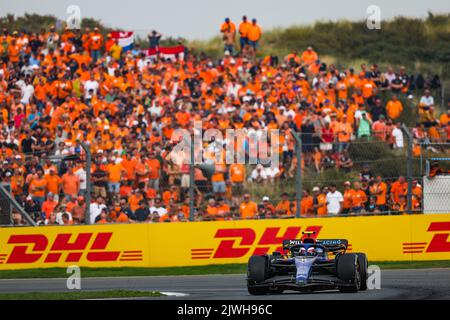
395	284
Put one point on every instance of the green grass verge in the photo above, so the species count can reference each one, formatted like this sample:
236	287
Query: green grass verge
77	295
197	270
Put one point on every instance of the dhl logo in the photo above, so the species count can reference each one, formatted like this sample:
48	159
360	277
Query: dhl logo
438	243
31	248
238	242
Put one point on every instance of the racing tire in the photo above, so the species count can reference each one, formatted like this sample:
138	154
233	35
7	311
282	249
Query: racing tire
257	268
348	271
257	291
363	265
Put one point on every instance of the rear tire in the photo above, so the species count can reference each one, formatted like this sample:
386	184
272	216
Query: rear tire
348	271
363	265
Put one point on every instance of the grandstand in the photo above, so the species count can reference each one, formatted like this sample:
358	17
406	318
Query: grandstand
87	133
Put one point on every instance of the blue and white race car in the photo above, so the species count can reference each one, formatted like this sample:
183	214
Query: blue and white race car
308	264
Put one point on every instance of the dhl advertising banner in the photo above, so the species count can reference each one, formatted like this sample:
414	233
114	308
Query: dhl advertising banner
383	238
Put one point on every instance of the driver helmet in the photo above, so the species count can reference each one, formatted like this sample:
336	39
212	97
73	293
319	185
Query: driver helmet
311	251
302	252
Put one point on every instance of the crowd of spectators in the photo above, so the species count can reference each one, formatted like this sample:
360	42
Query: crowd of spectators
61	89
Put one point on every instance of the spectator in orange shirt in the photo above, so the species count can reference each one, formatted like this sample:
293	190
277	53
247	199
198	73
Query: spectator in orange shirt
244	28
248	209
53	182
268	207
223	209
306	204
70	183
319	206
359	198
96	43
379	190
218	180
237	178
154	166
394	108
49	205
228	29
283	207
379	128
115	174
309	56
348	195
121	217
38	187
417	189
254	35
399	187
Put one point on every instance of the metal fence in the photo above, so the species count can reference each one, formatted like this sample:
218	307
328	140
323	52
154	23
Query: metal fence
413	176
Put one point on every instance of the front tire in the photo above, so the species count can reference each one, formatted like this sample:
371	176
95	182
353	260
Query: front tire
348	271
257	271
257	268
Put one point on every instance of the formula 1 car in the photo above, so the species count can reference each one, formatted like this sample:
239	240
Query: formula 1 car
308	264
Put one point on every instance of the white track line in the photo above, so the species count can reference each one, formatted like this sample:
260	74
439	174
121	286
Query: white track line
175	294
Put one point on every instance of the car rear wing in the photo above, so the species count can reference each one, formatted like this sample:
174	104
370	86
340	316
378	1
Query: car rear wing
333	244
329	244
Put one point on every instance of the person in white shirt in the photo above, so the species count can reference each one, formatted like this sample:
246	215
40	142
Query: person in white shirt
96	209
90	87
81	173
334	200
158	208
271	172
398	136
59	216
27	91
427	100
155	109
258	174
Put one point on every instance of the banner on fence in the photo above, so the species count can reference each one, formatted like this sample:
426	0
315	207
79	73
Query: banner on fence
171	53
382	238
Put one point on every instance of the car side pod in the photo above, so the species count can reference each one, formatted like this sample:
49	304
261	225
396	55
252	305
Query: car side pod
303	265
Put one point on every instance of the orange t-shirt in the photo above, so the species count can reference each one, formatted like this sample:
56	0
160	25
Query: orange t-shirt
38	187
237	172
48	207
70	184
358	198
115	172
248	210
284	206
394	109
397	189
154	166
53	183
381	198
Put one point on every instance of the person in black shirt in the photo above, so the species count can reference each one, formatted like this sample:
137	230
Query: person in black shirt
377	110
396	84
27	143
366	173
33	208
100	181
142	212
153	39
